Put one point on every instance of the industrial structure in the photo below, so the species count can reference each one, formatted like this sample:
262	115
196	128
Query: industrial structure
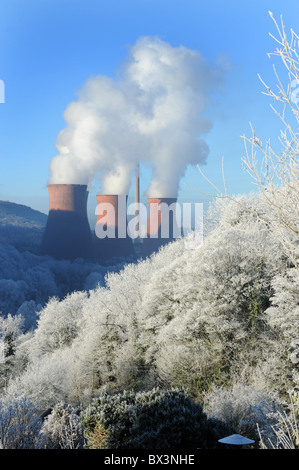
161	227
68	234
111	238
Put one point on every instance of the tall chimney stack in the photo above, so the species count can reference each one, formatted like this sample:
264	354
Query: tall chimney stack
67	234
137	200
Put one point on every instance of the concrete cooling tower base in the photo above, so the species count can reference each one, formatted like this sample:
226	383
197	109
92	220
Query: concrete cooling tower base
112	212
108	248
67	234
161	217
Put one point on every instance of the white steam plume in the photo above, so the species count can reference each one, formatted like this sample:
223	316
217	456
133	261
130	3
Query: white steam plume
152	114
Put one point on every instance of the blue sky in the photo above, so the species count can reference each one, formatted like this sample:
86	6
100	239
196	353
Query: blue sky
49	48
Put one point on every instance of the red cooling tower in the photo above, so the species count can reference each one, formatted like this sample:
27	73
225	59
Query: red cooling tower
67	234
161	227
111	239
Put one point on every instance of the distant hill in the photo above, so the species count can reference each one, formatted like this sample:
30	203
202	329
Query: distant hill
19	215
21	226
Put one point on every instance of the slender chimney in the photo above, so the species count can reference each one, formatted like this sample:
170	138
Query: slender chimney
67	234
162	227
110	238
137	200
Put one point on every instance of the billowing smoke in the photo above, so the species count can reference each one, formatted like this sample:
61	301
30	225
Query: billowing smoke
152	113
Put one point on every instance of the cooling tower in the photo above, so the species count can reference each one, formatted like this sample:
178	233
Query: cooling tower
111	239
67	234
162	226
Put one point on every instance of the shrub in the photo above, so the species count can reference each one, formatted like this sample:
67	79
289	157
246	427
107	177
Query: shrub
62	429
252	412
19	423
150	420
286	430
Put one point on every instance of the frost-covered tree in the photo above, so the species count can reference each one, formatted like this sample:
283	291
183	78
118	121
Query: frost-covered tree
277	176
58	323
62	429
19	423
10	332
45	381
252	412
29	311
10	329
26	277
220	299
275	171
286	430
12	294
154	419
283	316
180	318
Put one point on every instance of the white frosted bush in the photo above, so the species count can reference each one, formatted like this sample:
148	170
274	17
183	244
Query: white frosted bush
286	429
62	429
46	381
246	408
58	324
19	423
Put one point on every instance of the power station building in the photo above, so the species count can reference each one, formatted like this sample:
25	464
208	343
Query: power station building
68	234
111	237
